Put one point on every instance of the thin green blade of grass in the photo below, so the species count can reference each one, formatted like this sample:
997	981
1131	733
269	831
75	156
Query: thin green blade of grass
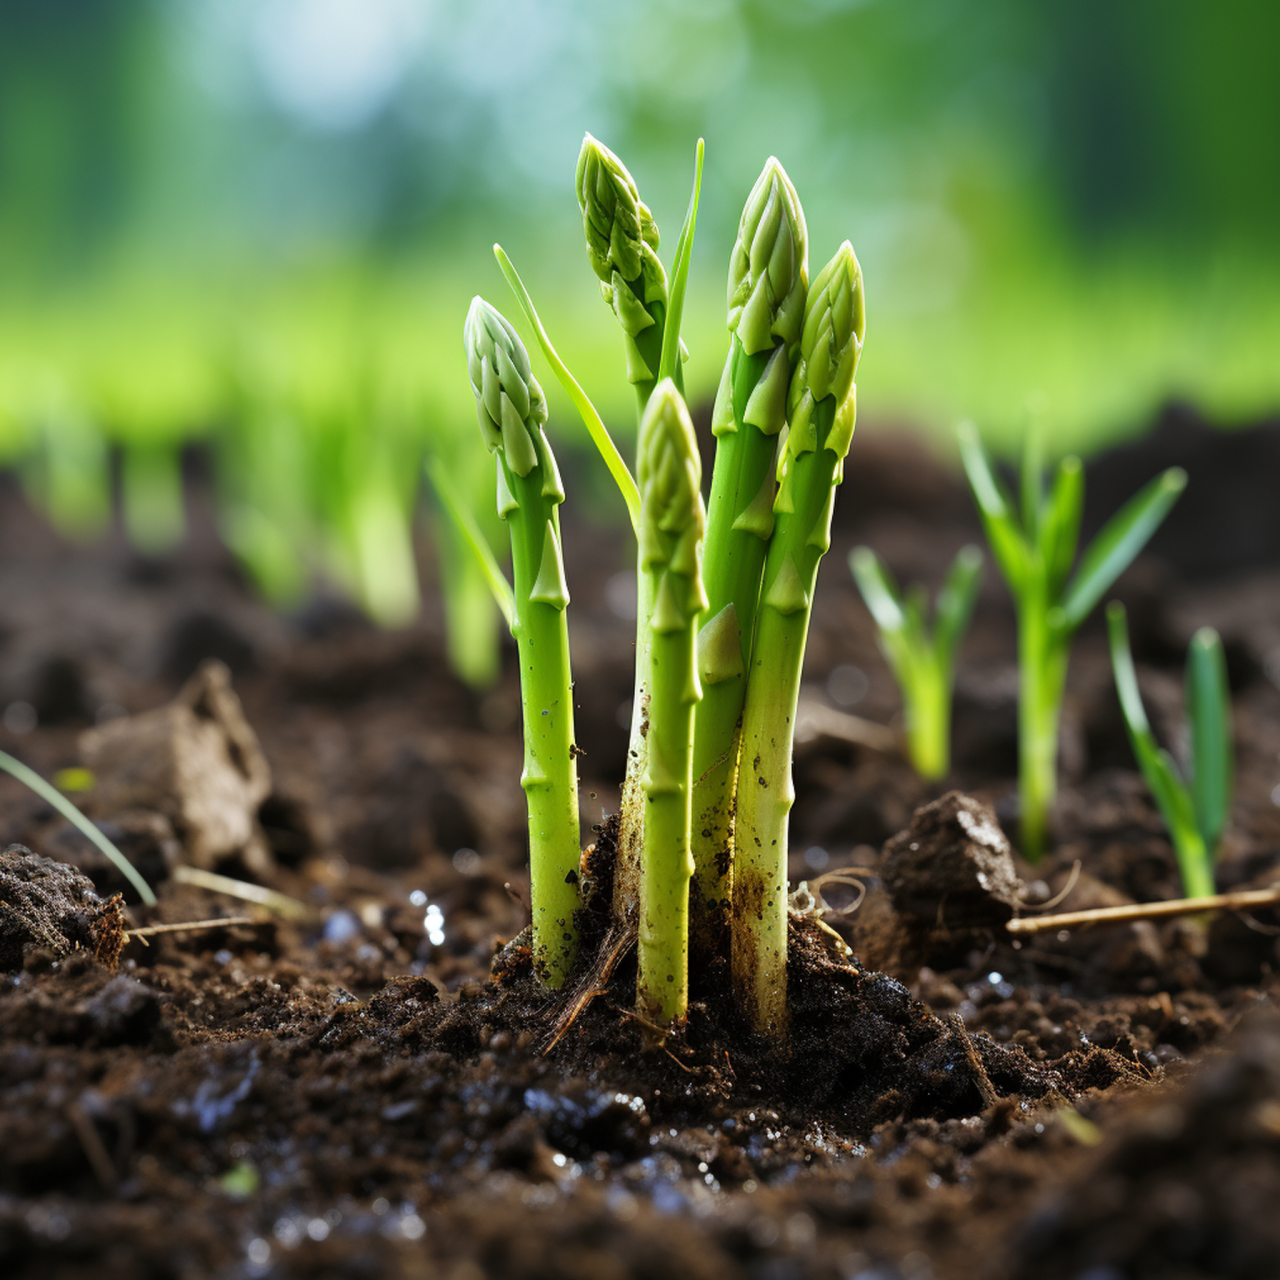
1135	714
915	606
669	365
600	436
473	538
1006	538
50	795
1172	796
878	590
1209	713
1031	474
1060	530
904	648
1120	540
955	604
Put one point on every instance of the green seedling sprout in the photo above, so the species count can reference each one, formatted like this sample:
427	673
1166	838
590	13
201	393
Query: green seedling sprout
768	282
472	582
1194	811
923	664
66	470
672	524
472	538
151	494
50	795
1035	552
511	410
822	406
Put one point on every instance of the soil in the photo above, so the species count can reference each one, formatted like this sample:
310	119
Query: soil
375	1086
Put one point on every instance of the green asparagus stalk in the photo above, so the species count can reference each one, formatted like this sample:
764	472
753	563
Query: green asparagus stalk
511	410
672	524
622	242
768	281
822	405
622	247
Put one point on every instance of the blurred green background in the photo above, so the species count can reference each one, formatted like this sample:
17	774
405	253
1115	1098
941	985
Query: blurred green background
264	219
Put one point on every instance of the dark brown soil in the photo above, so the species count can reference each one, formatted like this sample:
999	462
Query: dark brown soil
350	1093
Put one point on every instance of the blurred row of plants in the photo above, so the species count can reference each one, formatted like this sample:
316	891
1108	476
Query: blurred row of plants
255	223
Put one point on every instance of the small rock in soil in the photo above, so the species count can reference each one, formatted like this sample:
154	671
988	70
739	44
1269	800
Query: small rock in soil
52	906
952	866
197	761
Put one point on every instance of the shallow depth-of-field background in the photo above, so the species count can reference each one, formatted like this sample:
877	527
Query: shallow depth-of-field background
259	222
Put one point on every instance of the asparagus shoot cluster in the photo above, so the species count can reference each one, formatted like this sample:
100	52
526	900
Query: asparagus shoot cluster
1036	550
708	785
1195	811
923	663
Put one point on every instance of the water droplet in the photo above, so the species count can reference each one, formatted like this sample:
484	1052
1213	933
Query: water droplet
20	717
467	861
847	685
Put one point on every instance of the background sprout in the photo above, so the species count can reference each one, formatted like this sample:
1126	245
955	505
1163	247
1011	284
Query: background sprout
923	664
65	462
471	581
1195	811
1035	552
768	282
822	407
511	410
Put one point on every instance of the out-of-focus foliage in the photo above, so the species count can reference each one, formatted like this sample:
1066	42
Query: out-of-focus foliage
219	213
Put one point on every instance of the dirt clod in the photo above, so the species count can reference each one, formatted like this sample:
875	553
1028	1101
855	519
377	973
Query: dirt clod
49	905
196	761
953	866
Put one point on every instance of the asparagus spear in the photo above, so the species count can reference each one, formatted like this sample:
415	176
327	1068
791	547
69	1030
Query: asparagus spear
622	241
672	524
511	410
768	281
622	244
822	405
